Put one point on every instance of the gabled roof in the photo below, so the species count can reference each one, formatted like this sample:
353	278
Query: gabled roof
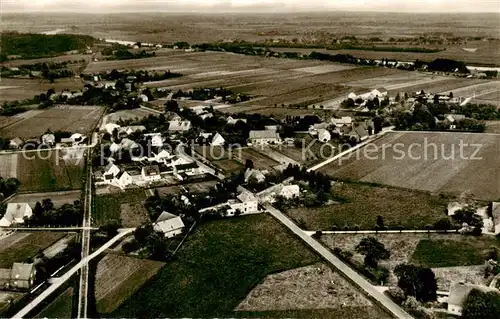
246	196
264	134
165	216
177	125
16	140
255	173
21	271
168	222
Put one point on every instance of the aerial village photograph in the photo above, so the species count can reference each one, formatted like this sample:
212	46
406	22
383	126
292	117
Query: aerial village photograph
250	159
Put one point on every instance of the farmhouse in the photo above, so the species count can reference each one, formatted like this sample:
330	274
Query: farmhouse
133	129
264	137
359	133
288	191
232	121
110	127
179	126
313	129
217	140
155	139
255	174
16	143
150	173
110	172
49	139
324	136
459	292
344	120
21	276
245	203
169	224
123	179
15	214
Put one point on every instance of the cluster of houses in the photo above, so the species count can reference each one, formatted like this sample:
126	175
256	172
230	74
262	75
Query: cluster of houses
48	140
345	126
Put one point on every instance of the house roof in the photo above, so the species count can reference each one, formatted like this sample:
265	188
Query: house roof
250	172
16	211
16	140
177	125
264	134
459	292
21	271
165	216
169	224
246	196
186	166
323	132
216	137
289	190
454	117
151	170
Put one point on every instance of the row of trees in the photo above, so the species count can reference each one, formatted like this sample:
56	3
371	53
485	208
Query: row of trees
138	75
45	214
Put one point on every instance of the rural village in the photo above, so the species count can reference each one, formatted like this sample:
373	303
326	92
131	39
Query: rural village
271	173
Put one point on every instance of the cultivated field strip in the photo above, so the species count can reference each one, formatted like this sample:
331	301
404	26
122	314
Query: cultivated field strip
443	168
8	165
476	89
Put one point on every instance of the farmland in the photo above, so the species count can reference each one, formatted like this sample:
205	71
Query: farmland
70	118
61	307
363	203
42	171
21	89
109	207
21	246
307	288
427	161
206	279
447	254
124	115
260	161
119	277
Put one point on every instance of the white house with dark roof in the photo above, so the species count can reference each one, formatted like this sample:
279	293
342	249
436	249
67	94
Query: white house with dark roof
245	203
150	173
264	137
15	214
179	125
169	224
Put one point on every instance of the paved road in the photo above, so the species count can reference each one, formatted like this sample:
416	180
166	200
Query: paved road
87	214
57	283
383	300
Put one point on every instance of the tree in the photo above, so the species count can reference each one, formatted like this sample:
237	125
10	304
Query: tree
111	228
249	164
482	305
373	250
417	281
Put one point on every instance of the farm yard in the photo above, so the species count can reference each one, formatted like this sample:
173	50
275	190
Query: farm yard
119	277
42	171
21	246
206	278
427	161
449	255
35	123
308	288
361	204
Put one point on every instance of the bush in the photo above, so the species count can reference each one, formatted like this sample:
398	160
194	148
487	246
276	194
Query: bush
443	224
380	274
396	294
130	246
346	254
317	234
476	231
411	303
337	251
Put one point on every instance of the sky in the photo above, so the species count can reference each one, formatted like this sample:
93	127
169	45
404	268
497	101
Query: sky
251	5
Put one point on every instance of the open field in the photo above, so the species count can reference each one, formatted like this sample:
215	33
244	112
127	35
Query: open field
364	203
195	187
57	198
429	161
306	288
61	307
46	171
206	279
493	127
21	89
260	161
479	90
133	215
448	261
133	114
119	277
21	246
109	207
71	118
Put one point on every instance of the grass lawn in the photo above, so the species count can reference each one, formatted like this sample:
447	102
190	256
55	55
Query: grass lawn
363	204
108	207
20	247
460	251
61	307
217	267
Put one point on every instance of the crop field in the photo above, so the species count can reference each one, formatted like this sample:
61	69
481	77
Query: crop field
109	207
206	278
20	246
21	89
46	171
42	171
58	198
71	118
132	114
361	204
196	187
444	85
119	277
479	90
307	288
133	215
260	161
427	161
61	307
